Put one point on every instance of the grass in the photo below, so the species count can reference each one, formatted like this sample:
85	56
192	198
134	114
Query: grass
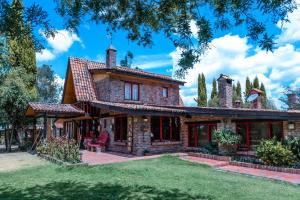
161	178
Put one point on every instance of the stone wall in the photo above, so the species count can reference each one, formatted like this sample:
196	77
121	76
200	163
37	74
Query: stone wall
111	89
294	132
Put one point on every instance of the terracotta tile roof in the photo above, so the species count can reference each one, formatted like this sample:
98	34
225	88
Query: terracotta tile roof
35	108
138	108
83	83
98	66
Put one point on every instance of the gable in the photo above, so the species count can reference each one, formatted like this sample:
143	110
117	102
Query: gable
69	96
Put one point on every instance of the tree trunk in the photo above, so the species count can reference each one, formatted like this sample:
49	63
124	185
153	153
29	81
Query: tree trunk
11	137
5	139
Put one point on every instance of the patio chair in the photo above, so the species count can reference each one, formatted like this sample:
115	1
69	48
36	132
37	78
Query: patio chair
101	142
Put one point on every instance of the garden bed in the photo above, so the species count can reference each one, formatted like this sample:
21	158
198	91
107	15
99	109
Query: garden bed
60	162
210	156
265	167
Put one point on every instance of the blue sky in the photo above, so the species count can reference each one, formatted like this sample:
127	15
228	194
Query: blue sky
231	53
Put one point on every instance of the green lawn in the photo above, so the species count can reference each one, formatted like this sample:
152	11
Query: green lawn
161	178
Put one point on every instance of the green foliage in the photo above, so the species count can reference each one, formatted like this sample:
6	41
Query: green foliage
214	102
61	149
264	99
273	153
214	92
226	137
202	92
127	61
47	87
248	87
293	143
239	91
256	83
141	19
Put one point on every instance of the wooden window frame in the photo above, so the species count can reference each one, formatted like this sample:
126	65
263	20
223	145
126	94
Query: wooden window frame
170	128
121	128
248	129
167	92
131	90
209	132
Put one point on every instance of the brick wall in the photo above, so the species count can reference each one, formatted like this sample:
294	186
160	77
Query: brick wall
111	89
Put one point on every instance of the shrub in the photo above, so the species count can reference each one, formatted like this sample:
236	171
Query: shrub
293	144
226	137
61	148
273	153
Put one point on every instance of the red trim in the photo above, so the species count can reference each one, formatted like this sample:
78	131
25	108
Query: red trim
160	128
270	130
171	131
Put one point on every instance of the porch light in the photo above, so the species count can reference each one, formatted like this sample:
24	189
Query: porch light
145	119
291	125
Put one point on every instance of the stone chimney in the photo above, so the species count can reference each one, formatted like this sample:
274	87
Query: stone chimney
256	104
111	56
225	91
237	104
292	101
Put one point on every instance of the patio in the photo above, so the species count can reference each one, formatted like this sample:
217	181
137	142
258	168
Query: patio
101	158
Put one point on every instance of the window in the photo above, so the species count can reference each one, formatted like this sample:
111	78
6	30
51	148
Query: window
132	91
165	92
165	128
201	134
120	129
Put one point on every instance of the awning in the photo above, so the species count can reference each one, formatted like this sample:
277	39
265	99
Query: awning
53	110
139	109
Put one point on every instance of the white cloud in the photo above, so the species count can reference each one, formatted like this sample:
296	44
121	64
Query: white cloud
44	55
60	43
230	55
60	82
152	61
291	31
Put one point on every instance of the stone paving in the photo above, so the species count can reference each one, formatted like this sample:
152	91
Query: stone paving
224	166
101	158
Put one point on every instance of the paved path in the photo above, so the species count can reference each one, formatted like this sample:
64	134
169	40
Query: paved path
224	166
93	158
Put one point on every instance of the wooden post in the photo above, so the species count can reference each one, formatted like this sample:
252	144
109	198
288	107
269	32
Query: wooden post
45	128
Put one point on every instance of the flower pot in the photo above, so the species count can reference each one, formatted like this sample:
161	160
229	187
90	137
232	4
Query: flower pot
227	149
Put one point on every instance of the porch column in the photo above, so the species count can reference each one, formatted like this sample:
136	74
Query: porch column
45	128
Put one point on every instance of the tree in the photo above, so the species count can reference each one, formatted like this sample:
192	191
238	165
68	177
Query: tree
214	92
140	19
47	88
239	91
14	99
264	99
256	82
248	87
202	93
198	100
127	61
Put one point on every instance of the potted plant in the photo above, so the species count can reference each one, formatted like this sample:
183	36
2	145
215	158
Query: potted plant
227	141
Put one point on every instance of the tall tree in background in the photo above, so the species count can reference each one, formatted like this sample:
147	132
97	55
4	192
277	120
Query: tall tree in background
214	92
248	87
127	61
256	82
140	19
239	91
47	87
202	92
264	99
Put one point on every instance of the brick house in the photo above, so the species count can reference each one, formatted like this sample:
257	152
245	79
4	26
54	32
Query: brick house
144	111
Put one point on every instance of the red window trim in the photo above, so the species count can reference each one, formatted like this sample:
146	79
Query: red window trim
209	132
270	131
121	128
131	90
167	92
161	128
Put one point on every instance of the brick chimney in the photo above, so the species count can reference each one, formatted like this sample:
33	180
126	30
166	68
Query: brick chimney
225	91
111	56
292	101
256	104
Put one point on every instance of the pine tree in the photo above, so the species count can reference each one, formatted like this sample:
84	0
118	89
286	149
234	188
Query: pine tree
234	96
248	87
239	90
256	82
214	92
199	90
264	99
204	91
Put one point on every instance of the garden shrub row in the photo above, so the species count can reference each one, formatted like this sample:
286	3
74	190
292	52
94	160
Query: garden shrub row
63	149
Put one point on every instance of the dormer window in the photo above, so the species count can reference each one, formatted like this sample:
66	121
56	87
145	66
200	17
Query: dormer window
165	92
132	91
